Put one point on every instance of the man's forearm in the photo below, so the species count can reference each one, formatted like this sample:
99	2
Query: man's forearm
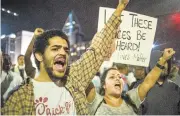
30	48
30	70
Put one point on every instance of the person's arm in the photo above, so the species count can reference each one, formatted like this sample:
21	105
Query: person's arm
30	70
90	92
100	50
154	74
83	70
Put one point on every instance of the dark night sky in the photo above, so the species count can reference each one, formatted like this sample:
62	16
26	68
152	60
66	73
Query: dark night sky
49	14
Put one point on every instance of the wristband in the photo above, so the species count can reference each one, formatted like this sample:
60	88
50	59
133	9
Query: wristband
160	66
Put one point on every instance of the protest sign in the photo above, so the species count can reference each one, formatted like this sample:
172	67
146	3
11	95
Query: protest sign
135	36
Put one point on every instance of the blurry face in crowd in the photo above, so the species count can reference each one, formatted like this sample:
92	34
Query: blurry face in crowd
113	83
21	60
124	71
55	58
139	72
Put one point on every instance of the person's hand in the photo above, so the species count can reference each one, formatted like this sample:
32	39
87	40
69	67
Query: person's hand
168	53
38	31
122	4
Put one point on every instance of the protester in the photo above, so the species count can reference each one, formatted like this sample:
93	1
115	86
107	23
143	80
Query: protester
139	74
110	103
9	79
59	89
164	97
20	67
174	76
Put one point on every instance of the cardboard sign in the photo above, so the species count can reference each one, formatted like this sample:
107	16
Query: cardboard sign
135	37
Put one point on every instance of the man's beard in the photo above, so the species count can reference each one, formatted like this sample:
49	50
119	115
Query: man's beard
60	81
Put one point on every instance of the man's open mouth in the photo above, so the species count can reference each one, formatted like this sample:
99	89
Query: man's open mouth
59	64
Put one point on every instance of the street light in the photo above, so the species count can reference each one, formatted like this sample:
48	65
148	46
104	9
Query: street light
2	9
8	11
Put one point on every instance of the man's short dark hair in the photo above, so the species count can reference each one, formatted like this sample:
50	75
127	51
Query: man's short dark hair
19	56
42	41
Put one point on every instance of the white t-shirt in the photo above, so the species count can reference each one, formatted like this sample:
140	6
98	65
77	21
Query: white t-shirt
52	100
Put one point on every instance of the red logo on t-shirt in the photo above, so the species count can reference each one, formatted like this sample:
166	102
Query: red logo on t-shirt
42	108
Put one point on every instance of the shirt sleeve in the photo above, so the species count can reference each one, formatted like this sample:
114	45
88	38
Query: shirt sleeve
134	96
93	106
12	106
20	101
83	70
17	80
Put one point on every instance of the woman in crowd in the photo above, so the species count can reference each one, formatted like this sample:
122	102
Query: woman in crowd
111	102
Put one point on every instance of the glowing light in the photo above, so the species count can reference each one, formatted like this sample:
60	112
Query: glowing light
3	36
3	9
15	14
176	18
12	35
8	11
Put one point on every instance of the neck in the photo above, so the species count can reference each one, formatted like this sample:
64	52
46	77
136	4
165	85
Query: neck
43	76
113	101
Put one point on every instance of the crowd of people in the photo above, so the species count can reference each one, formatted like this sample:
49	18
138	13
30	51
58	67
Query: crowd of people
59	88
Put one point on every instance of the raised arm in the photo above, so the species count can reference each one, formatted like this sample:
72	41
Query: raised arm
154	75
84	69
101	47
30	70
